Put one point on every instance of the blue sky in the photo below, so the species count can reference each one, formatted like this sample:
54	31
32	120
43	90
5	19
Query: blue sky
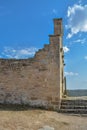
26	24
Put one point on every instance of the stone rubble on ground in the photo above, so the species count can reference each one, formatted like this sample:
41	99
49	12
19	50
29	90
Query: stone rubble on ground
47	128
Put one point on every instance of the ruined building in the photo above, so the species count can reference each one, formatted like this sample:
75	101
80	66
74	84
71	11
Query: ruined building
37	81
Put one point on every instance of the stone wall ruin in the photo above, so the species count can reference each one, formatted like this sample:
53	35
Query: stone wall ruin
37	81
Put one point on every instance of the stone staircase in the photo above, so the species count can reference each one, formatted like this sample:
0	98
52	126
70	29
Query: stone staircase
76	106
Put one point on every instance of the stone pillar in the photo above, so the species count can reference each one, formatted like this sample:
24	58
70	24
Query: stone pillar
65	89
58	29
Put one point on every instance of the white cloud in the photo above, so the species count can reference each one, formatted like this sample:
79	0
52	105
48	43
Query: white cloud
80	1
66	49
71	74
85	57
82	41
9	52
77	19
54	11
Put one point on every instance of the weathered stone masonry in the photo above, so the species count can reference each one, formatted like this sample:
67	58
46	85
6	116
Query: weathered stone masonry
37	81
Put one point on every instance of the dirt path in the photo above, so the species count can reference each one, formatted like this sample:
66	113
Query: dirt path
40	120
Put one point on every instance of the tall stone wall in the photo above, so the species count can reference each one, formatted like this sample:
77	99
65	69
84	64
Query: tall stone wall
35	81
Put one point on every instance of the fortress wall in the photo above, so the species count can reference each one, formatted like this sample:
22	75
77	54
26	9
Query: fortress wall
33	81
36	81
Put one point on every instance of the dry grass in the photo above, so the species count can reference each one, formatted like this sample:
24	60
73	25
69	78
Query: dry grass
36	119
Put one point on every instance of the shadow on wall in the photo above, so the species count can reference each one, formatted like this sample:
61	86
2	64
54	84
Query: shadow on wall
18	107
77	93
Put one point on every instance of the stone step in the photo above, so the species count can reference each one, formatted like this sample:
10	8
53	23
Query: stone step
74	106
75	111
72	102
